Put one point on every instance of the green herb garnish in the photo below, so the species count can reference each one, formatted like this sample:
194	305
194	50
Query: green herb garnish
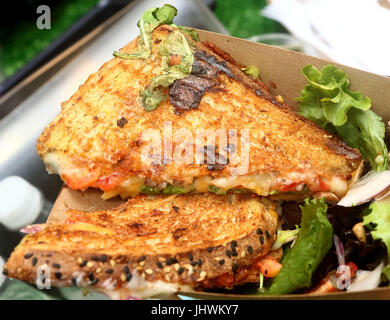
169	189
149	21
216	190
175	44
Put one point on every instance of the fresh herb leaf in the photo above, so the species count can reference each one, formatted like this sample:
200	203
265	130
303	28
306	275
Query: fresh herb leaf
216	190
311	246
175	44
150	190
170	189
252	71
328	101
149	21
191	32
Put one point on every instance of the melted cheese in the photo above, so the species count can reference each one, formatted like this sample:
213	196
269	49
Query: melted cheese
139	288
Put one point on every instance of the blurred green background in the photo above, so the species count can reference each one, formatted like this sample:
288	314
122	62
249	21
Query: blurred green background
21	40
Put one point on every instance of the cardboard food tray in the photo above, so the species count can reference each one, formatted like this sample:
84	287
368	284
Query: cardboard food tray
282	68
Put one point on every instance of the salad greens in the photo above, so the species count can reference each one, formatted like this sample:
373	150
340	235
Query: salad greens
328	101
378	219
313	243
176	44
149	21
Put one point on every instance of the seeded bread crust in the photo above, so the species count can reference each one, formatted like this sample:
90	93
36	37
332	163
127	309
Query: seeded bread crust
89	253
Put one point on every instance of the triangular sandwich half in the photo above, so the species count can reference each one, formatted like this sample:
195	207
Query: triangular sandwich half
140	124
152	245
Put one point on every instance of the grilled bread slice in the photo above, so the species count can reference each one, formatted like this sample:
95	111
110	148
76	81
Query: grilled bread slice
103	130
152	245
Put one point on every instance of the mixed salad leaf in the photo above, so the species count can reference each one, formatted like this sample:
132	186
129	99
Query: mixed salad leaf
328	101
378	220
313	242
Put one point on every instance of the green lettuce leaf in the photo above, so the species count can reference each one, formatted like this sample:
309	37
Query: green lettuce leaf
313	242
149	21
328	101
379	218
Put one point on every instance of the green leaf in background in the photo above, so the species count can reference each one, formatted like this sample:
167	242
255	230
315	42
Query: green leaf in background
328	101
22	41
313	242
243	18
149	21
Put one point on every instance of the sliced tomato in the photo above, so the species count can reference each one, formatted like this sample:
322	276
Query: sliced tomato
322	185
325	286
110	182
289	187
268	266
80	179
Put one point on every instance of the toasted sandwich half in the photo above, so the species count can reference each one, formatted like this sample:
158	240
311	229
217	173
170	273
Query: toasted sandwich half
126	129
152	245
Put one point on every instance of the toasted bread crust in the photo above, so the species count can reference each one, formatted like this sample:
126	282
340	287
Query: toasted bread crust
183	239
89	143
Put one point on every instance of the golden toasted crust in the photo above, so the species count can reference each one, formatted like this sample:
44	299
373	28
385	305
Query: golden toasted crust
90	140
183	239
